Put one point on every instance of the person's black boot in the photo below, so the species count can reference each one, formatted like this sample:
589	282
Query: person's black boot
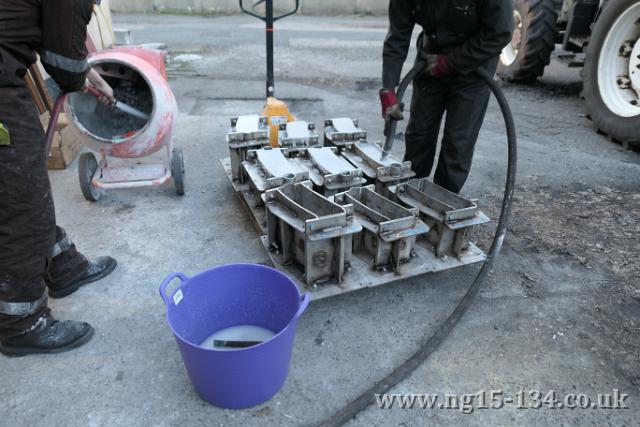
51	337
69	269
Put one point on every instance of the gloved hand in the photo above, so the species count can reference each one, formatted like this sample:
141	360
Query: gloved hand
95	80
390	106
439	65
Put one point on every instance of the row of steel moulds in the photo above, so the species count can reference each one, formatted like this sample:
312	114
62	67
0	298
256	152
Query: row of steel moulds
305	227
321	233
351	141
347	159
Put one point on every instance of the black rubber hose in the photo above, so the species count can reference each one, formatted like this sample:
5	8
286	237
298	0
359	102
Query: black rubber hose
359	404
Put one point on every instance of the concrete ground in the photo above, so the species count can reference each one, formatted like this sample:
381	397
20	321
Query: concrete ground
560	312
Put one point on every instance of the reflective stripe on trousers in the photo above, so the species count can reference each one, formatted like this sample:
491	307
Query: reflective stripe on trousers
22	309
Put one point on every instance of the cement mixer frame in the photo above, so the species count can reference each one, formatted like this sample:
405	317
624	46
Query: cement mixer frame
97	176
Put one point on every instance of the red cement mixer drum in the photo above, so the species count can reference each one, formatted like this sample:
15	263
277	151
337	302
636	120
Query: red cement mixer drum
138	78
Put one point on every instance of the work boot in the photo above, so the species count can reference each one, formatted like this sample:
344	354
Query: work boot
69	269
50	336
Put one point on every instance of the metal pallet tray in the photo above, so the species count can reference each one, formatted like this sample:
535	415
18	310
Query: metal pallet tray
363	276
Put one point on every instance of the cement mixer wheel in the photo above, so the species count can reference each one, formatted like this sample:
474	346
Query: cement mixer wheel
177	170
87	167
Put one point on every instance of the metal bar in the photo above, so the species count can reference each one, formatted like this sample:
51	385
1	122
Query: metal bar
132	184
248	12
293	12
269	20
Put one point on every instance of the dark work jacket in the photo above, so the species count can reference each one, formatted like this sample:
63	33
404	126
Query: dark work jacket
471	32
55	29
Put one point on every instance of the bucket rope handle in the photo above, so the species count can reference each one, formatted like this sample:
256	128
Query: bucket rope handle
163	287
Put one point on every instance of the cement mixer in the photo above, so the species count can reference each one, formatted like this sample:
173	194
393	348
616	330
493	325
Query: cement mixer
138	78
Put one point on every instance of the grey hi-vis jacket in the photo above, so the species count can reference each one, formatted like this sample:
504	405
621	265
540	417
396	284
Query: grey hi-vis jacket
55	29
470	32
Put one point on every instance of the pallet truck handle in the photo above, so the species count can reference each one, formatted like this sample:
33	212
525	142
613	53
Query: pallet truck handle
269	20
264	18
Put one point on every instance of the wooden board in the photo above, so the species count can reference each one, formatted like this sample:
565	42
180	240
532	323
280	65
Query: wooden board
65	146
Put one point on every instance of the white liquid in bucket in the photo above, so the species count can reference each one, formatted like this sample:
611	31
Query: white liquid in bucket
238	333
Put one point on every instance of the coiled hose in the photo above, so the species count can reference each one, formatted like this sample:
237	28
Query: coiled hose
401	372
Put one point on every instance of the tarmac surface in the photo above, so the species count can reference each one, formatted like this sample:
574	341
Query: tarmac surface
561	311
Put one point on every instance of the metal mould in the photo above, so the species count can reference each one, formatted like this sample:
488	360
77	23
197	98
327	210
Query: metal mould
329	172
297	134
305	228
438	202
452	218
269	168
248	128
389	230
248	132
342	131
385	172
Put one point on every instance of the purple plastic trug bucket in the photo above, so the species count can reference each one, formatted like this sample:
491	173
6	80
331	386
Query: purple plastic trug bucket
226	296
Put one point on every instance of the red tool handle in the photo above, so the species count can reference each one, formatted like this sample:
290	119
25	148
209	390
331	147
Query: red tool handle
93	91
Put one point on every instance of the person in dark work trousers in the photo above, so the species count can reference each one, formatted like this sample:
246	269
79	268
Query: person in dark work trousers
34	253
458	37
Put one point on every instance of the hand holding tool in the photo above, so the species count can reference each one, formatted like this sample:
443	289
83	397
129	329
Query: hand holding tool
390	106
390	122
